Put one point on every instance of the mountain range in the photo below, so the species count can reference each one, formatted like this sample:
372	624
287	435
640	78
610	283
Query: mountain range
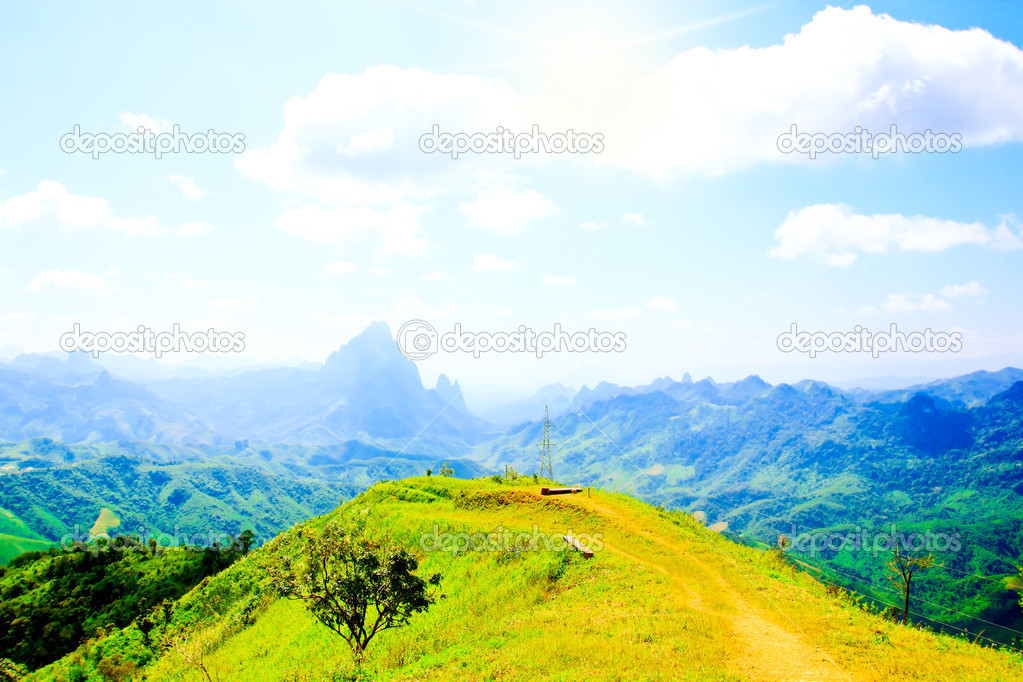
267	447
365	390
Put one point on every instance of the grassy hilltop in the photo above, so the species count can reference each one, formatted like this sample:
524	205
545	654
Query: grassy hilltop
662	598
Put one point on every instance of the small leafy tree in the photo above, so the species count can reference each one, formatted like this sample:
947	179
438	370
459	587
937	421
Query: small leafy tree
446	470
245	541
429	472
902	567
356	587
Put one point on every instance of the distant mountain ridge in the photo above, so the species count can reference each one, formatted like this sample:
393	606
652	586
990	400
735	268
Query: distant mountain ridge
968	390
366	389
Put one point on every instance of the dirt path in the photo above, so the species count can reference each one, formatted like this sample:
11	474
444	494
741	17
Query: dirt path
764	649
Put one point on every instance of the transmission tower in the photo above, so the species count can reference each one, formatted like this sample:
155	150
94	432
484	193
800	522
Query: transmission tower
545	447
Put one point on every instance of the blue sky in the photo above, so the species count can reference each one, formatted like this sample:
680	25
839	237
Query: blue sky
690	232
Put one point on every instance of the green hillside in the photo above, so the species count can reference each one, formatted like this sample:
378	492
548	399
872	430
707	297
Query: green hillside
809	461
16	537
662	598
14	545
50	601
48	489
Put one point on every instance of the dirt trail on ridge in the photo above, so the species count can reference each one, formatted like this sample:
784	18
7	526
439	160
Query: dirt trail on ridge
764	650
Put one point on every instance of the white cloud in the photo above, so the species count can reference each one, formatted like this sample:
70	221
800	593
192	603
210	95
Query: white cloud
357	320
339	269
194	284
662	304
187	186
905	303
407	308
623	314
374	140
69	280
195	228
394	231
410	307
833	234
134	121
909	303
710	112
230	306
634	218
968	289
51	206
503	210
558	280
490	262
592	225
355	138
435	276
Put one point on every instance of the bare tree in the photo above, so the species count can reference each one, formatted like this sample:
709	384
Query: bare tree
193	653
902	567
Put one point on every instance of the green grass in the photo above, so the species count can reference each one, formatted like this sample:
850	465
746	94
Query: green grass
10	524
663	599
12	545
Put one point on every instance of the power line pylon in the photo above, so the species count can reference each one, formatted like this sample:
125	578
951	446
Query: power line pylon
545	447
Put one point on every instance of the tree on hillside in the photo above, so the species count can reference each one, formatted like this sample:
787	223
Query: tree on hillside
244	541
446	470
356	587
902	567
784	543
1019	584
193	653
